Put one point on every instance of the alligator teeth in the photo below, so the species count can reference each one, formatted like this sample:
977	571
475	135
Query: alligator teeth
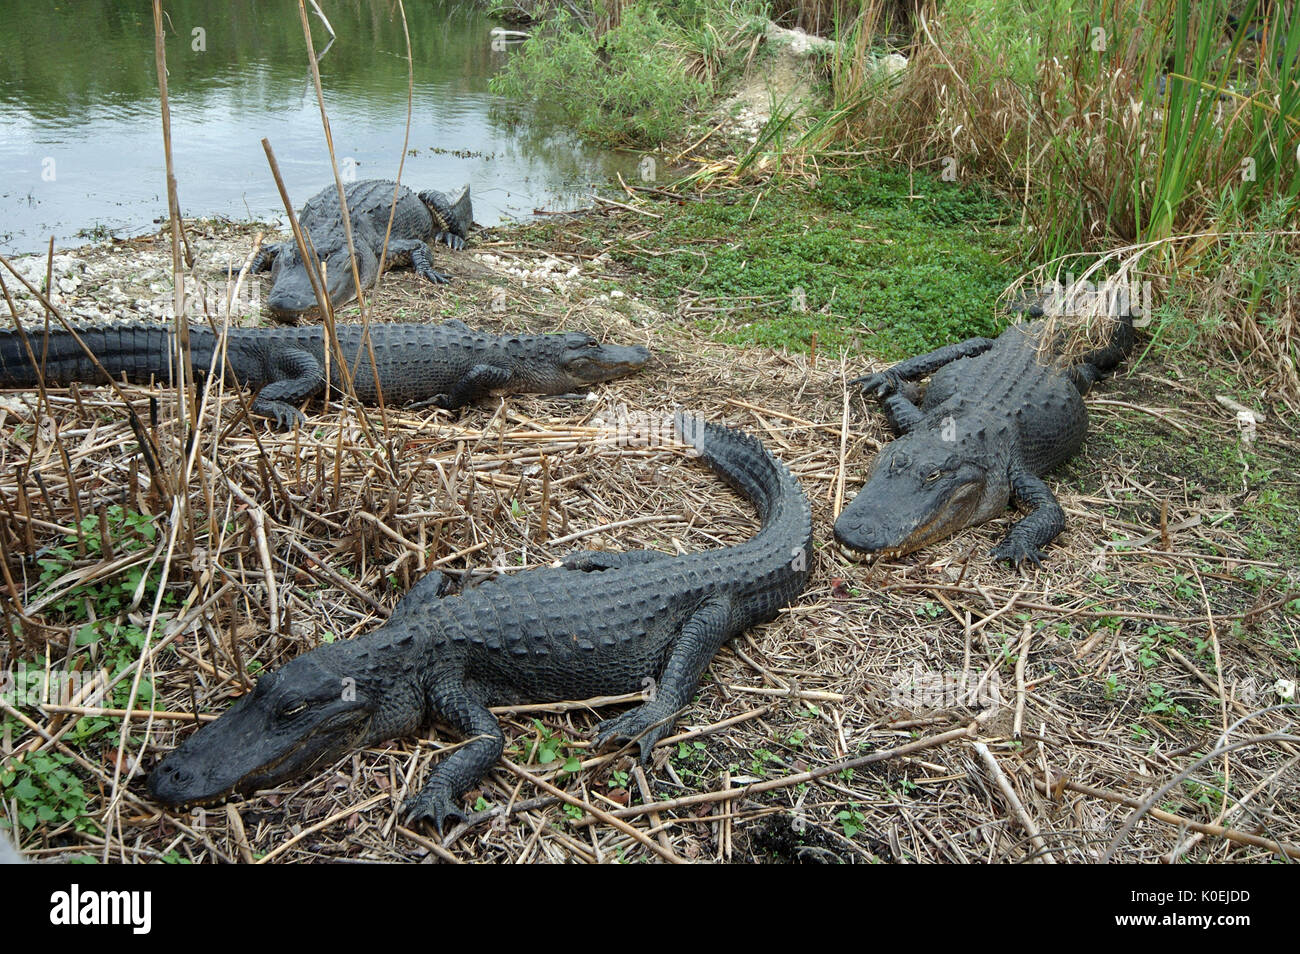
857	556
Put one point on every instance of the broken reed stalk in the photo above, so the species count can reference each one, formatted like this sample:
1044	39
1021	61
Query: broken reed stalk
392	208
148	444
188	428
327	311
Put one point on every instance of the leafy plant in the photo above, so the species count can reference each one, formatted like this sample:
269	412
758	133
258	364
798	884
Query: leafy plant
851	820
46	791
626	86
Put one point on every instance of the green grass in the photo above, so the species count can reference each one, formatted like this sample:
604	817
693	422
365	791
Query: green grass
869	260
44	787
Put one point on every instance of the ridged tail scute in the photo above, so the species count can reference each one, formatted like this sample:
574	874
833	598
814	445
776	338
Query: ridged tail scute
139	352
745	464
452	212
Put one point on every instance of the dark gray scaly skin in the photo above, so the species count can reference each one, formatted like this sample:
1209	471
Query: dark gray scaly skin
603	623
995	418
418	219
446	365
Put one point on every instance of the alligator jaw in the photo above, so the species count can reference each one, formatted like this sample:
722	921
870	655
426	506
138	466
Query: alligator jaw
258	745
877	523
613	361
166	782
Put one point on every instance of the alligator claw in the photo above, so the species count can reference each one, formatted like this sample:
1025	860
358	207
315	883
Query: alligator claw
438	400
285	416
641	724
881	384
438	278
451	240
431	806
1016	552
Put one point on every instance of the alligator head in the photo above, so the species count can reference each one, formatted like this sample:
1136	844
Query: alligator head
554	364
291	294
923	488
309	713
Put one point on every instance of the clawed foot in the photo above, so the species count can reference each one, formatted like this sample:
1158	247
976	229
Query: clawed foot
442	401
284	416
438	278
1016	551
881	384
450	239
435	806
644	725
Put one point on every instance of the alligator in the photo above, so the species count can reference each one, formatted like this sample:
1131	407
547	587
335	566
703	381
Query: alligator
997	415
416	219
446	365
599	623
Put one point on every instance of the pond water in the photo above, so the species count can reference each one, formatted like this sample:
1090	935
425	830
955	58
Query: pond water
81	135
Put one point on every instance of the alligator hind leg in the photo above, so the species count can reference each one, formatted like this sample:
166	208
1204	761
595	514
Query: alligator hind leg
699	641
1084	376
589	560
418	254
439	798
477	383
886	382
901	412
432	586
296	376
1037	530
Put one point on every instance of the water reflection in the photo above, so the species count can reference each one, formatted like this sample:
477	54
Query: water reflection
80	139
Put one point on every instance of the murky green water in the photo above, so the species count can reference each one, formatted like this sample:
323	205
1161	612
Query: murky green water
81	139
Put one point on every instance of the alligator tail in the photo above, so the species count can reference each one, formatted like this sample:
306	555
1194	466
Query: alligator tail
745	464
138	352
453	213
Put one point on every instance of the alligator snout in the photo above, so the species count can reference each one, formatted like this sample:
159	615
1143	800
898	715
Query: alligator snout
626	357
172	784
862	536
290	303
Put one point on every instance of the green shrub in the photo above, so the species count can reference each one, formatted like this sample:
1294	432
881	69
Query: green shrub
629	86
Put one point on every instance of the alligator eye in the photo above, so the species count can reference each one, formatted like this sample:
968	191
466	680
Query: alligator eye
289	711
933	476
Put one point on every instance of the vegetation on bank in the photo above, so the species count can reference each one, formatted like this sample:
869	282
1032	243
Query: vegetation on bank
1161	140
637	74
863	259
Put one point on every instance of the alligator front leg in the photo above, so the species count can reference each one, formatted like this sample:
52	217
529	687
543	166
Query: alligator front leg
296	375
418	253
477	383
1035	531
439	800
699	641
886	382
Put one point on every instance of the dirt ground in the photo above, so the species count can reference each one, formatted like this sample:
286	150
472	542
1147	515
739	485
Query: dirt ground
936	708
